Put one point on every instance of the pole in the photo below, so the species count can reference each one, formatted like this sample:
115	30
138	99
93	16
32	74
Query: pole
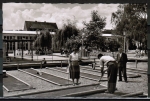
124	44
82	48
148	73
31	52
37	56
22	50
14	49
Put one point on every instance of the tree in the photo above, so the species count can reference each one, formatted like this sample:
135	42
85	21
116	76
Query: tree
131	18
94	28
69	29
72	42
43	41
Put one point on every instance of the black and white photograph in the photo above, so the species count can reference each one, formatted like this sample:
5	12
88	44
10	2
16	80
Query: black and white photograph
72	50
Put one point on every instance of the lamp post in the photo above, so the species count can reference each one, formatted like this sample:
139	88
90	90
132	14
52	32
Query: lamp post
52	34
37	32
82	44
32	50
124	35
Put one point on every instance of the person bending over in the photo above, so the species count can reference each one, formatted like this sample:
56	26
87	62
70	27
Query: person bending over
111	68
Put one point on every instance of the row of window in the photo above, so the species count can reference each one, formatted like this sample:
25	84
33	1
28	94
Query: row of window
18	37
11	45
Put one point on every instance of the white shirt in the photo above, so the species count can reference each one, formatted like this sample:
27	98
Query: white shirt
74	57
120	54
105	59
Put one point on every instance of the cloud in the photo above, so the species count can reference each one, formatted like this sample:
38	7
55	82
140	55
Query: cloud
14	14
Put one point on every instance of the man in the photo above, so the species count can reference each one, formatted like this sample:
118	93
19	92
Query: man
43	61
112	70
122	60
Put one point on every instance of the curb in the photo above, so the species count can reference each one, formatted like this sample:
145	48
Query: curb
132	94
46	91
85	93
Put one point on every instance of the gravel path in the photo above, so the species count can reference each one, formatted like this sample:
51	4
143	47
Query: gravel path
134	84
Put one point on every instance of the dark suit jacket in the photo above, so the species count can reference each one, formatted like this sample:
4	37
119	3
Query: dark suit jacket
122	60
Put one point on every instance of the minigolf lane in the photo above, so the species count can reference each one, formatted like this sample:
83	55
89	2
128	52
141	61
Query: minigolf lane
47	77
70	91
130	74
82	74
12	83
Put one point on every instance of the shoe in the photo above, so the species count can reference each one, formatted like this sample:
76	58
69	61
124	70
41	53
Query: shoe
109	92
116	89
119	80
78	83
126	81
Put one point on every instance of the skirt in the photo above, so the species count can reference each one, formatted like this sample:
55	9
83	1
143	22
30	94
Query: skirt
112	76
74	70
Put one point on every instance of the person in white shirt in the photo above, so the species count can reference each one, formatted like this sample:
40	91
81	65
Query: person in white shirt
74	68
110	64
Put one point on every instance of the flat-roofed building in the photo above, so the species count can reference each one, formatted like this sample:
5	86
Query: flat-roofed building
30	29
18	35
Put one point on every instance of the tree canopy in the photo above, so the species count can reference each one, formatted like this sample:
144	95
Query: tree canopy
44	40
69	29
94	28
131	19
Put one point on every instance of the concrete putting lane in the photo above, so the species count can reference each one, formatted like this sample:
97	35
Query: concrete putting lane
48	77
11	83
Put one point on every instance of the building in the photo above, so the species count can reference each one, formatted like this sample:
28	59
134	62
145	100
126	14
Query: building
18	35
34	25
30	29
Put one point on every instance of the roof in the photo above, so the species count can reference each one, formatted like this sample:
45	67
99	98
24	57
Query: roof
22	32
111	35
39	25
19	32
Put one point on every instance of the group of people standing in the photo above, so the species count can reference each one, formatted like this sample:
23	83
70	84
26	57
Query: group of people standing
111	64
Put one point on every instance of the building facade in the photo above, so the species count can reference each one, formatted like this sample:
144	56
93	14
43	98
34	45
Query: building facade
30	30
17	35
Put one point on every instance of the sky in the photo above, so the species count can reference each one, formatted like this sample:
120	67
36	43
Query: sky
15	14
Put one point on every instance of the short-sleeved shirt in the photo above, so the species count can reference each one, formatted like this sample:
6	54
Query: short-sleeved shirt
74	57
105	59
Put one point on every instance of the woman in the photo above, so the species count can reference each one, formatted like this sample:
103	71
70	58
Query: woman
74	68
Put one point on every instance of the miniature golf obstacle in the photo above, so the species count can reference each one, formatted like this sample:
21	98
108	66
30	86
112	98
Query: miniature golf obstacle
38	72
32	68
4	74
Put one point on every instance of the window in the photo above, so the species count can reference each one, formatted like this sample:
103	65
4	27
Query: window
11	46
10	37
5	37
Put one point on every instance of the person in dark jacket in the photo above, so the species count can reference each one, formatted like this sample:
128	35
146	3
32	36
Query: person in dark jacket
122	60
